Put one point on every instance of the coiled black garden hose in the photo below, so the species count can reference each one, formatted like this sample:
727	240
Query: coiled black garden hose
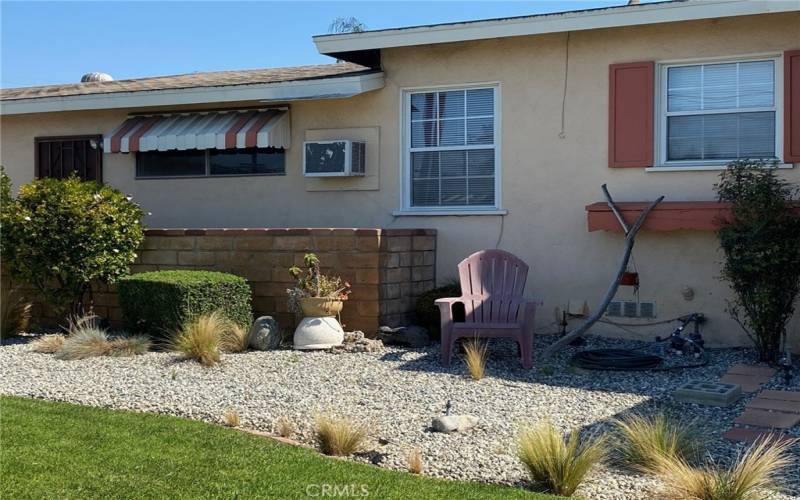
625	360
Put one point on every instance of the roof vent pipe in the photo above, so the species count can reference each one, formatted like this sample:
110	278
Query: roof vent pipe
96	77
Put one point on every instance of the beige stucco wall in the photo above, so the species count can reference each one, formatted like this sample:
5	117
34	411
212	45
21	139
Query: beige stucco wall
546	180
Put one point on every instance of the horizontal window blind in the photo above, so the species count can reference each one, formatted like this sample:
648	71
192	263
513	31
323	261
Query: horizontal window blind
722	111
452	148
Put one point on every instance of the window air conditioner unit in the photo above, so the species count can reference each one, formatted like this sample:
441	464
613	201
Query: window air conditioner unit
339	158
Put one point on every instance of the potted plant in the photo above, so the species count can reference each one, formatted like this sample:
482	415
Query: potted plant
319	298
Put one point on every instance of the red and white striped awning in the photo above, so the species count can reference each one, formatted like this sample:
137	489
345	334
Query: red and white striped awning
262	128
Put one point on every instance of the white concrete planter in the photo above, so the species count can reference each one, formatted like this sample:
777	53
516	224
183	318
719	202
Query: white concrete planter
318	332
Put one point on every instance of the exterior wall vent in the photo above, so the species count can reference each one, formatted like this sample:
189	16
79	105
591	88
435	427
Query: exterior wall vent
631	309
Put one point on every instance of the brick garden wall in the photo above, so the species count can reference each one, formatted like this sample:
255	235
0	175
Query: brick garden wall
387	268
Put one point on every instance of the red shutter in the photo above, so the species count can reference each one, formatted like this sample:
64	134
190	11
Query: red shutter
630	114
791	106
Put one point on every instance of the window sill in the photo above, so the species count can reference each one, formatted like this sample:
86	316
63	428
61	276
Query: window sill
434	213
223	176
701	168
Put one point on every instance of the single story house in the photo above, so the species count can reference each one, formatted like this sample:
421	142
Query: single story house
496	133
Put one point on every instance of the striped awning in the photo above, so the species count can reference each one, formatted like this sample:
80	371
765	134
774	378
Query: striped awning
204	130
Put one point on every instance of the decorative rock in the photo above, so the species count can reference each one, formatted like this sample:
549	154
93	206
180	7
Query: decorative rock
454	423
411	336
265	334
356	342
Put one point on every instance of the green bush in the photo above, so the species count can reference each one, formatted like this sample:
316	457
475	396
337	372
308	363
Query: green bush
427	311
160	302
761	244
60	235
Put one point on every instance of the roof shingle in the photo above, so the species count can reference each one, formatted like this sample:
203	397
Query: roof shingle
191	80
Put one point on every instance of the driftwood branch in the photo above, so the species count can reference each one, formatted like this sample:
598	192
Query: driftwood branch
630	236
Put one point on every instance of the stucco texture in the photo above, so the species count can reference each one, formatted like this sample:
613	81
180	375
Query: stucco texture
546	180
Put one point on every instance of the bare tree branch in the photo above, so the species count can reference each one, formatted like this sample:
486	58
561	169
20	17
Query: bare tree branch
630	235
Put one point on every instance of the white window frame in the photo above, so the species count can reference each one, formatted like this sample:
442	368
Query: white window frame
662	164
405	154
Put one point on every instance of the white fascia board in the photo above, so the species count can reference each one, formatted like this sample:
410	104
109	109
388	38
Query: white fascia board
551	23
323	88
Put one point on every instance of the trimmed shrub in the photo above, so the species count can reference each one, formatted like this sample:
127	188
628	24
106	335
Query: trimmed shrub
61	235
427	311
160	302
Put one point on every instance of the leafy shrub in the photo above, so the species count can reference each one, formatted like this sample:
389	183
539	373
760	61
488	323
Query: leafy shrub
749	478
558	465
475	357
312	283
15	313
160	302
47	344
427	312
339	436
61	235
644	440
199	338
761	242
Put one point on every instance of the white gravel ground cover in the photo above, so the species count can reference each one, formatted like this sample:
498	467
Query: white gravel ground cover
396	392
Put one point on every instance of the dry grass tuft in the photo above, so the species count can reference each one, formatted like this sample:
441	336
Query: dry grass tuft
284	427
15	313
234	338
752	477
231	418
475	353
78	324
339	436
644	440
89	342
133	345
200	339
415	464
558	465
47	344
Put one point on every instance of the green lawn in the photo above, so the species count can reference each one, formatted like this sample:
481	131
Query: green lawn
59	450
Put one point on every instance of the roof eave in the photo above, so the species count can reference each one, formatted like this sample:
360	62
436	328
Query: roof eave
321	88
549	23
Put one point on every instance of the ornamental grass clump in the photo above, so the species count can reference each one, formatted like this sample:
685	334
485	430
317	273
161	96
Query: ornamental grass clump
646	440
231	418
199	339
557	464
234	338
415	463
339	436
88	342
284	427
754	476
15	313
47	344
133	345
475	353
312	283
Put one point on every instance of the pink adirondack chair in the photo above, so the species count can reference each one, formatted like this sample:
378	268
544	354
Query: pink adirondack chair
492	283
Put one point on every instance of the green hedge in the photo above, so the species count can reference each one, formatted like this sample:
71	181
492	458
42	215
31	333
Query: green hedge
157	303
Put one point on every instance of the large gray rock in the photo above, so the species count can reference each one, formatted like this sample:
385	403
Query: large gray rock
454	423
411	336
265	334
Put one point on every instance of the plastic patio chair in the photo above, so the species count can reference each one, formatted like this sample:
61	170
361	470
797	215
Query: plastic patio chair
492	284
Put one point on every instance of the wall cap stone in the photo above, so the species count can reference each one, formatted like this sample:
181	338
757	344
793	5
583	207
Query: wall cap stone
288	231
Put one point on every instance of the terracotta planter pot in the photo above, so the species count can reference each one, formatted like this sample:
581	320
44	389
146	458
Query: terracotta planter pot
320	306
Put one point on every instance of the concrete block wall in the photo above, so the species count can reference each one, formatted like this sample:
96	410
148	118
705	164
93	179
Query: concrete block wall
387	268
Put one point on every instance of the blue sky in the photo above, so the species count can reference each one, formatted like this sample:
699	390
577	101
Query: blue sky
43	42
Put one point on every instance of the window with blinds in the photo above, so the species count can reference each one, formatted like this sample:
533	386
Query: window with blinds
451	153
715	113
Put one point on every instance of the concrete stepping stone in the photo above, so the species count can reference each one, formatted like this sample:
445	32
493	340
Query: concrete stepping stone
764	373
768	419
752	435
746	381
762	403
781	395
